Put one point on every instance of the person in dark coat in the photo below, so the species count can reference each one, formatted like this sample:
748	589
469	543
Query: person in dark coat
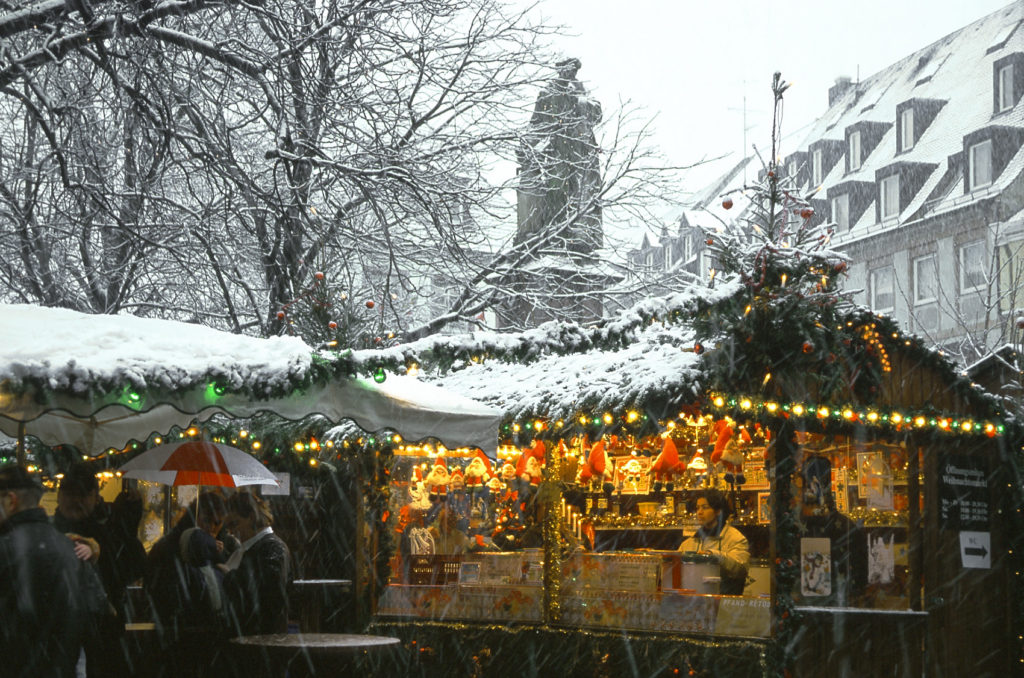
121	559
187	605
258	574
40	604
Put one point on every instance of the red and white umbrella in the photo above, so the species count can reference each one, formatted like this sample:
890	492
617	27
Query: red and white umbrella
198	462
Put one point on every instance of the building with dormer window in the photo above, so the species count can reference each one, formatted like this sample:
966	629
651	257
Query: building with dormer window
919	170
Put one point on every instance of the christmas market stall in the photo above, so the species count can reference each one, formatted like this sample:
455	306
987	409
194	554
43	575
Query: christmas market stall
873	491
101	389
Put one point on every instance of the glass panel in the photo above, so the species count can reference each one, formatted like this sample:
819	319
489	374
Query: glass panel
854	150
981	165
907	129
883	297
816	168
1006	87
854	513
841	211
890	190
972	266
926	282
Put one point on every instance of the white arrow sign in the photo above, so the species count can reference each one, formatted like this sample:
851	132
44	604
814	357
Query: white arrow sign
976	550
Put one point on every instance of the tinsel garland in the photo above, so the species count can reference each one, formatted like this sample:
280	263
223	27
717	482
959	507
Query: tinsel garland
454	649
549	498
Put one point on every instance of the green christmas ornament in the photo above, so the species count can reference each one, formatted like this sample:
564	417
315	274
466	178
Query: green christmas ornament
379	375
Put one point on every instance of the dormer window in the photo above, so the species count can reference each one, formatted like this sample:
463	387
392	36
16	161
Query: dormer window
841	211
854	150
668	257
817	164
907	129
1007	82
979	170
1004	96
889	196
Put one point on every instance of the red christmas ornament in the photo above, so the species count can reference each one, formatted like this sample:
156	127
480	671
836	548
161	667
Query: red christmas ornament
698	349
808	347
280	315
1020	323
333	325
709	241
771	174
370	304
840	267
319	275
807	213
727	203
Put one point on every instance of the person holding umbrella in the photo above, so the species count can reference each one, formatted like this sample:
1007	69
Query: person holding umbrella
258	574
188	606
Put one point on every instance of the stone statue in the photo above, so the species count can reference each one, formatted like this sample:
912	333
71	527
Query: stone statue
559	170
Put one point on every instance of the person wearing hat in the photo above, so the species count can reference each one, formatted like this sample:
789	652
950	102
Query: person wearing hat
723	542
84	516
40	601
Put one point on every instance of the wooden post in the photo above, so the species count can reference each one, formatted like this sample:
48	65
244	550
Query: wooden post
21	444
915	527
359	585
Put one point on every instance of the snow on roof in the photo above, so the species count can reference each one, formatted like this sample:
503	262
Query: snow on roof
656	364
68	348
956	70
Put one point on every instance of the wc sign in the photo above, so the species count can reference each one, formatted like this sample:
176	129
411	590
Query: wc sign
976	550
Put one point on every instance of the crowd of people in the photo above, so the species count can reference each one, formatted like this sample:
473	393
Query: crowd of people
220	572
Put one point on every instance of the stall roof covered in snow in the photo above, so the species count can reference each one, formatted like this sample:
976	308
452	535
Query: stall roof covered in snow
100	381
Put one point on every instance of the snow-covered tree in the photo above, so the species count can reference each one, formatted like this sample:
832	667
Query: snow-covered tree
202	162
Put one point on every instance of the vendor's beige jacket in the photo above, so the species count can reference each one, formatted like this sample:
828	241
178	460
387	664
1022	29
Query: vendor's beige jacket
730	547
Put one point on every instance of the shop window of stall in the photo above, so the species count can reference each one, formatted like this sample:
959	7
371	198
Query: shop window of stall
854	500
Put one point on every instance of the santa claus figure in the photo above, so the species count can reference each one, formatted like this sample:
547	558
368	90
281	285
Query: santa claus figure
436	482
478	472
666	466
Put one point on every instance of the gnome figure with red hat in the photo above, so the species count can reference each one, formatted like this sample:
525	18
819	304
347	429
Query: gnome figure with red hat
529	470
728	451
666	466
601	467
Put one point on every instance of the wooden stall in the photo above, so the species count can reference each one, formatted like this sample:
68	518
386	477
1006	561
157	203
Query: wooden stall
879	497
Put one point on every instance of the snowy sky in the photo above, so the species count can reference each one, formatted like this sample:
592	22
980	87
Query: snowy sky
692	63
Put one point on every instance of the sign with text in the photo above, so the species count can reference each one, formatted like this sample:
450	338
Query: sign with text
976	550
963	493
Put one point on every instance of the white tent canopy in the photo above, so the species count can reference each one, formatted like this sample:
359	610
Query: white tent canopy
100	381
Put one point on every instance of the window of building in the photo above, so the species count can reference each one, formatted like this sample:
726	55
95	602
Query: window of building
972	267
669	251
841	211
907	129
890	196
980	165
649	259
854	151
1006	88
883	289
817	165
926	280
926	294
